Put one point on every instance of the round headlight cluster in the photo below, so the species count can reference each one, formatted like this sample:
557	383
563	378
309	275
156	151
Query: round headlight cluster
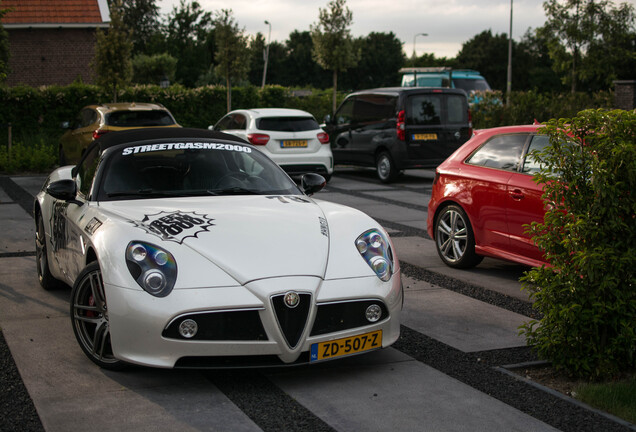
154	268
376	251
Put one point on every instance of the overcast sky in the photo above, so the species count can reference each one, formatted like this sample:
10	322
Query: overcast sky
448	23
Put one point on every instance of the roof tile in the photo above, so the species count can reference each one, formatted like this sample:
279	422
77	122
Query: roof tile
51	11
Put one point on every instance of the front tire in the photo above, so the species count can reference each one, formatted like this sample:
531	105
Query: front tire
89	317
454	238
385	167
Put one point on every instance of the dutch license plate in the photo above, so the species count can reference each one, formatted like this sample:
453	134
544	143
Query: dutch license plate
293	143
424	137
346	346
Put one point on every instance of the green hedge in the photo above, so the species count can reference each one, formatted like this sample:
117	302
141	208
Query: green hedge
35	114
528	106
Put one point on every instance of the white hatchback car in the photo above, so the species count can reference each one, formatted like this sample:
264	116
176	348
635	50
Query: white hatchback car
290	137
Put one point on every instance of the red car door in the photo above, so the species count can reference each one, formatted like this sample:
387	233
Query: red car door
524	204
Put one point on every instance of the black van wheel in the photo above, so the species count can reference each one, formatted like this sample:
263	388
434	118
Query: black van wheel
386	169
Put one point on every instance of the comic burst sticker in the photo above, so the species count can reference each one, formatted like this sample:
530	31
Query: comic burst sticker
174	226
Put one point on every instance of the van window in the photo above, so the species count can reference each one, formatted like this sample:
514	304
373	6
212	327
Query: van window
469	85
374	108
344	115
425	109
457	111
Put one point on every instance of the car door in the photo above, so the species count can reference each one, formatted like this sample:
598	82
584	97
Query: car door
76	237
82	134
339	131
525	203
235	124
489	170
373	125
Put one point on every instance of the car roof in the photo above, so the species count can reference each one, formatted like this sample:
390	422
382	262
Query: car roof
409	90
112	139
508	129
276	112
127	106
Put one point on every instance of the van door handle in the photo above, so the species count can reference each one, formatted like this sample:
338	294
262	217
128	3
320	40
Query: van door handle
517	195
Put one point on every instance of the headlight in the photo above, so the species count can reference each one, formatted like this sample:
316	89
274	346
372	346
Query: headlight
376	251
154	268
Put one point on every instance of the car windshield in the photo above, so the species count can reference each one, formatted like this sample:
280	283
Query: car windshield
470	85
287	124
130	118
177	169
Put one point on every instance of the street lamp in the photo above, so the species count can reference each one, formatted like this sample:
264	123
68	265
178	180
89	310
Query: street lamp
509	77
266	53
414	53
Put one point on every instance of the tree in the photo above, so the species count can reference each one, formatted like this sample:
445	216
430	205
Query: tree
333	45
142	18
591	40
154	69
275	64
4	49
232	54
532	65
380	60
300	68
489	55
188	39
112	62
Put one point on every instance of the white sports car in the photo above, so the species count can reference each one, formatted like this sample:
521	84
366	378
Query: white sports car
190	248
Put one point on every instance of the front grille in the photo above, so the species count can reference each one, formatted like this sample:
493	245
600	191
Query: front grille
292	321
333	317
227	325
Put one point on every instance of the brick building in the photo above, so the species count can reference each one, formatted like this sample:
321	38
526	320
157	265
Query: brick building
52	41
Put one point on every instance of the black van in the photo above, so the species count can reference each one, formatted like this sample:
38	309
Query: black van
398	128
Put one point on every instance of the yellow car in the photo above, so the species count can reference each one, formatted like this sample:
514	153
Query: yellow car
94	121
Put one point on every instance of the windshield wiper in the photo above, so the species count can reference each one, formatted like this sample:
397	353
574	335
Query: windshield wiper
233	191
149	193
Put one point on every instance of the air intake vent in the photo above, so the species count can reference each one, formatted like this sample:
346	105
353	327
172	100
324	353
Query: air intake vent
292	320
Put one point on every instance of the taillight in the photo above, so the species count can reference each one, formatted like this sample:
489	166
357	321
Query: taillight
258	139
98	132
470	124
401	126
436	177
323	138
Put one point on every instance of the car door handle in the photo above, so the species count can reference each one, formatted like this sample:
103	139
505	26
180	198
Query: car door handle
517	195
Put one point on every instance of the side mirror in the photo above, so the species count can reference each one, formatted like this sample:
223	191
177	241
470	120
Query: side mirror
327	119
211	127
65	190
312	183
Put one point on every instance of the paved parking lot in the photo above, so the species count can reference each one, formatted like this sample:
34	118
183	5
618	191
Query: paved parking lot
440	376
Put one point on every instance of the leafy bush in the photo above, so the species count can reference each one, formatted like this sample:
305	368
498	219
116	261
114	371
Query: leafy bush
527	106
588	294
38	157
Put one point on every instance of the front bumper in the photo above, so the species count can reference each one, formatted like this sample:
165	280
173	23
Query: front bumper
142	326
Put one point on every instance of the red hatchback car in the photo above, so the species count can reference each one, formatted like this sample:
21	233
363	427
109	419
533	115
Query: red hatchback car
484	194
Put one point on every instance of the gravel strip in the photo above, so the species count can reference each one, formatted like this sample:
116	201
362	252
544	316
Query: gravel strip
17	412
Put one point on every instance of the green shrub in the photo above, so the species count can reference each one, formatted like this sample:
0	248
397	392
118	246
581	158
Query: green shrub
588	295
527	106
35	158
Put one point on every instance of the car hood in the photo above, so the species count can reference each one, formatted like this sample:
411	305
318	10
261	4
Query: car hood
248	237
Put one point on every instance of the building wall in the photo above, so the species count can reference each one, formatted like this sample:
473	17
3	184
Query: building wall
50	56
